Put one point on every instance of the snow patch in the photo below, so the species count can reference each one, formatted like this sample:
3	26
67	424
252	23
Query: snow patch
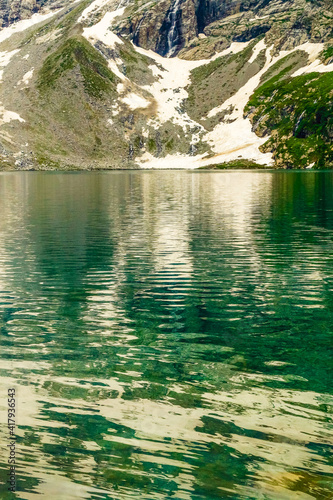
177	161
48	37
113	66
26	78
93	7
311	165
234	48
102	32
115	109
256	18
135	101
315	67
8	116
25	24
314	64
5	58
313	50
233	141
257	49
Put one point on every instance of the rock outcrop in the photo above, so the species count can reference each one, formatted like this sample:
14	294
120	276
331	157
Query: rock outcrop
287	23
12	11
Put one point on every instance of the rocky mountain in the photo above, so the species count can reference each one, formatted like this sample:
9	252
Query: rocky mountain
17	10
175	83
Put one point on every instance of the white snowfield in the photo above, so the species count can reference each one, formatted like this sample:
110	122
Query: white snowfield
26	78
8	116
102	32
25	24
91	9
134	101
5	58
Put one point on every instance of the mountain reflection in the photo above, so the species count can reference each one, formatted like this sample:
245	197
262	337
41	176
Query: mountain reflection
167	333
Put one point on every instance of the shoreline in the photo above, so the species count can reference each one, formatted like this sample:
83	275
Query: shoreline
188	170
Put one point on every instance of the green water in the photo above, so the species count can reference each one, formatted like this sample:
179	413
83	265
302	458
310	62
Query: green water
168	334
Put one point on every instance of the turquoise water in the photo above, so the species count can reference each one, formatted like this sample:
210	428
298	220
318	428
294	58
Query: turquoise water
168	334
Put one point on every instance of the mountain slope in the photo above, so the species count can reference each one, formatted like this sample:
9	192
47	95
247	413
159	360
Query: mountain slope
77	93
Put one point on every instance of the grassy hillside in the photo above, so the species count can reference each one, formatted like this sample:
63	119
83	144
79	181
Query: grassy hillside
298	113
213	83
77	51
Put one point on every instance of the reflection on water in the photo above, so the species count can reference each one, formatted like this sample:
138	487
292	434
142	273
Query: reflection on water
168	334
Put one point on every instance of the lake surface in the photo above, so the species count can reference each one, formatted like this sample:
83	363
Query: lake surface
167	334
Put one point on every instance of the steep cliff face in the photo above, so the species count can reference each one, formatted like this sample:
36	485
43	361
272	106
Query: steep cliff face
204	26
208	11
168	26
164	28
198	28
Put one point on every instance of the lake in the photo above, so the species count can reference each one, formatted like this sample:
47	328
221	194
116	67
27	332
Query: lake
167	334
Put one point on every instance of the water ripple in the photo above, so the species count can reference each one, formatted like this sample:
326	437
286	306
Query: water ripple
168	334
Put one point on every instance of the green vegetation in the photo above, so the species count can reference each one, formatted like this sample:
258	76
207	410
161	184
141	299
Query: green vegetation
37	32
71	16
167	139
298	112
136	65
213	83
327	54
203	72
286	66
77	51
235	164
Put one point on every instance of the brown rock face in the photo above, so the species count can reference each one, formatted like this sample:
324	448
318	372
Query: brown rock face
164	28
170	25
12	11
